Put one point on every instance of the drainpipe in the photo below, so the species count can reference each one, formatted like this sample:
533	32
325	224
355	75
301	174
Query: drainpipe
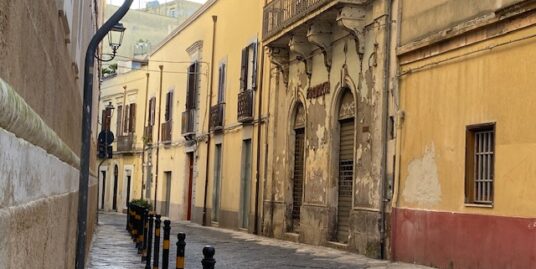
158	135
214	20
87	109
385	113
143	167
259	128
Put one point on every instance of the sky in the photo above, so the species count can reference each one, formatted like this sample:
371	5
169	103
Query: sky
141	3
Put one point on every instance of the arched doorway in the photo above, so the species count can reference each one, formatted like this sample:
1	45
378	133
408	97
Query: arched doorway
298	171
345	165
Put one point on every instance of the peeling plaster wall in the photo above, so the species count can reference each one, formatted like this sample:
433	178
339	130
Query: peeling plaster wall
365	79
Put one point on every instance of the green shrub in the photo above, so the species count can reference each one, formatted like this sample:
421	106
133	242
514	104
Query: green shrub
142	203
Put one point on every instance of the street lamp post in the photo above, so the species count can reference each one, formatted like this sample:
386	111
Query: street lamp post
86	129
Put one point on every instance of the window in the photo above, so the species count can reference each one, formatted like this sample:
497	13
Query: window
169	106
480	164
172	12
193	79
248	74
152	106
221	84
119	122
106	119
129	125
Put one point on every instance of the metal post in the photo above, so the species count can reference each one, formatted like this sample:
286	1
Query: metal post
156	254
165	245
87	110
208	261
149	242
143	231
180	250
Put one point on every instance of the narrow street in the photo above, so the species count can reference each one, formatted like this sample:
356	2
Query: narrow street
113	248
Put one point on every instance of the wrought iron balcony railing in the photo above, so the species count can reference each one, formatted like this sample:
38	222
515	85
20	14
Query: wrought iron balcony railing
166	132
216	117
188	122
279	14
125	143
245	106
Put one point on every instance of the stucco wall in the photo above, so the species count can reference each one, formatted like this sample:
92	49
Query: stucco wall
421	18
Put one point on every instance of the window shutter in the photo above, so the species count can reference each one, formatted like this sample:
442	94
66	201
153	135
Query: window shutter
190	87
152	105
254	66
195	85
221	86
244	70
132	123
119	121
170	105
103	120
126	121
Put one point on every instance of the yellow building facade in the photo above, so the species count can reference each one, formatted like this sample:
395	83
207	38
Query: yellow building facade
206	96
465	145
120	178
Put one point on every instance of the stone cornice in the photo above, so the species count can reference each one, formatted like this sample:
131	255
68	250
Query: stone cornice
17	117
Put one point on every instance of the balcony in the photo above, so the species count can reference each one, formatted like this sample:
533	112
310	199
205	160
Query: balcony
281	15
166	132
188	123
216	117
125	143
245	106
148	134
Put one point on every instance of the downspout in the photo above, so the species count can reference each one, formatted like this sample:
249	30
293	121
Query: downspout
161	67
214	20
385	113
259	129
144	146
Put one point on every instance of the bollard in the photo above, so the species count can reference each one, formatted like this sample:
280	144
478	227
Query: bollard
180	250
156	254
145	231
141	236
165	245
149	242
208	261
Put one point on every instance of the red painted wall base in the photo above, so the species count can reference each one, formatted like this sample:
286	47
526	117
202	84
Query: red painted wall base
459	241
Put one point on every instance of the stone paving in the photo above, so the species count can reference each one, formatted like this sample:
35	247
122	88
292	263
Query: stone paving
234	249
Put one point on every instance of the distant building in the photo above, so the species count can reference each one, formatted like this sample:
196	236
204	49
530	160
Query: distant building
179	9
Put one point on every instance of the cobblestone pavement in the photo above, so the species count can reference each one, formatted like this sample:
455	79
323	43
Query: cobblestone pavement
234	249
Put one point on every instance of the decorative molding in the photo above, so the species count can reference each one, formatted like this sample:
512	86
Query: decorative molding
301	46
320	35
17	117
280	58
353	19
195	48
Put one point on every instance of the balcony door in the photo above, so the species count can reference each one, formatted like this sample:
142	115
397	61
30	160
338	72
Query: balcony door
298	171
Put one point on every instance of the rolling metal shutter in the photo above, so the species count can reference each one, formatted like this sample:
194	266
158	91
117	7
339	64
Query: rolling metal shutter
346	175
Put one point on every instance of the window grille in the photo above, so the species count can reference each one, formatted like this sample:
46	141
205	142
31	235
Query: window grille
480	164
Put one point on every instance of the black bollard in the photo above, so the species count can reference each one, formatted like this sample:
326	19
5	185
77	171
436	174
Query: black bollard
165	245
156	253
145	231
149	242
180	250
208	261
141	236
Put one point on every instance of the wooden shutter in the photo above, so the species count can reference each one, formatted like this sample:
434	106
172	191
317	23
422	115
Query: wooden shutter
221	84
152	106
132	119
191	93
119	123
127	119
244	70
254	66
170	105
103	120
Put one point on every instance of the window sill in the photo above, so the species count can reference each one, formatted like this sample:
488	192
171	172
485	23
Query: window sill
479	205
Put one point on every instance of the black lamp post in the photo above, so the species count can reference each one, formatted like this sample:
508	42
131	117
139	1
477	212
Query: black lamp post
86	129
